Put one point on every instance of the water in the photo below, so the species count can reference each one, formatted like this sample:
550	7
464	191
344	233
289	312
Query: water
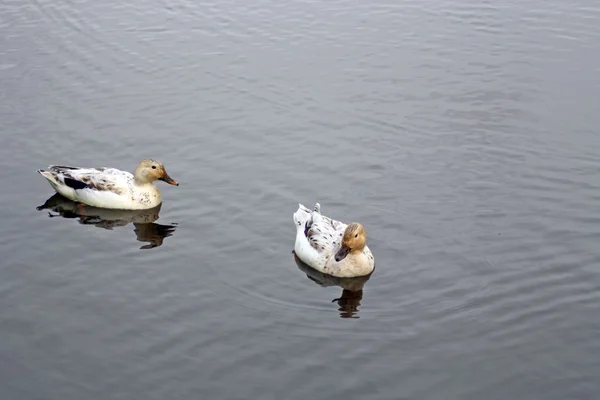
462	134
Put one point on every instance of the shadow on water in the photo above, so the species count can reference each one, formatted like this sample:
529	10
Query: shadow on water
352	288
146	230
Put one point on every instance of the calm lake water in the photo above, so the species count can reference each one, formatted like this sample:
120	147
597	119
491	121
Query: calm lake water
462	134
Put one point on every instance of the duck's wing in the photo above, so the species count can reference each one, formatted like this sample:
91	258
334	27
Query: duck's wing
323	233
98	179
99	187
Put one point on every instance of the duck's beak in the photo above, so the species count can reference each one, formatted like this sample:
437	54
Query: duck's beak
168	179
342	253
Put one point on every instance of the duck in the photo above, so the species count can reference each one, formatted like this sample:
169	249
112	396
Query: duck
110	188
331	247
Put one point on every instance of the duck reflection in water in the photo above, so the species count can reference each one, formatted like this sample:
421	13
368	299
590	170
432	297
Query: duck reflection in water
352	288
145	228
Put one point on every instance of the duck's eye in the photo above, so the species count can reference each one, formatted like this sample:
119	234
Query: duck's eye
356	235
154	167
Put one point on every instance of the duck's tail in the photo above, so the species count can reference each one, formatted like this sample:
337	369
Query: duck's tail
56	181
303	215
49	175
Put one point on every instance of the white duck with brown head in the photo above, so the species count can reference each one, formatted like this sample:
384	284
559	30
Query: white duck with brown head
110	187
330	246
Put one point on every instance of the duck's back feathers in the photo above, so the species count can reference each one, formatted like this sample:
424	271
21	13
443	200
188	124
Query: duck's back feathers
323	233
99	187
99	179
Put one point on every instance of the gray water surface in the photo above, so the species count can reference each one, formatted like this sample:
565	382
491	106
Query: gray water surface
462	134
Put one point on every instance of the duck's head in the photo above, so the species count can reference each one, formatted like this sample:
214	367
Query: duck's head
355	238
149	171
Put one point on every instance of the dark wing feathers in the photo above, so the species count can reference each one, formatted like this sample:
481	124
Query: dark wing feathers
307	226
75	184
68	178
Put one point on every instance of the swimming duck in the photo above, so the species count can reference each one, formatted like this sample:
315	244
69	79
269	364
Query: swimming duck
330	246
110	187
